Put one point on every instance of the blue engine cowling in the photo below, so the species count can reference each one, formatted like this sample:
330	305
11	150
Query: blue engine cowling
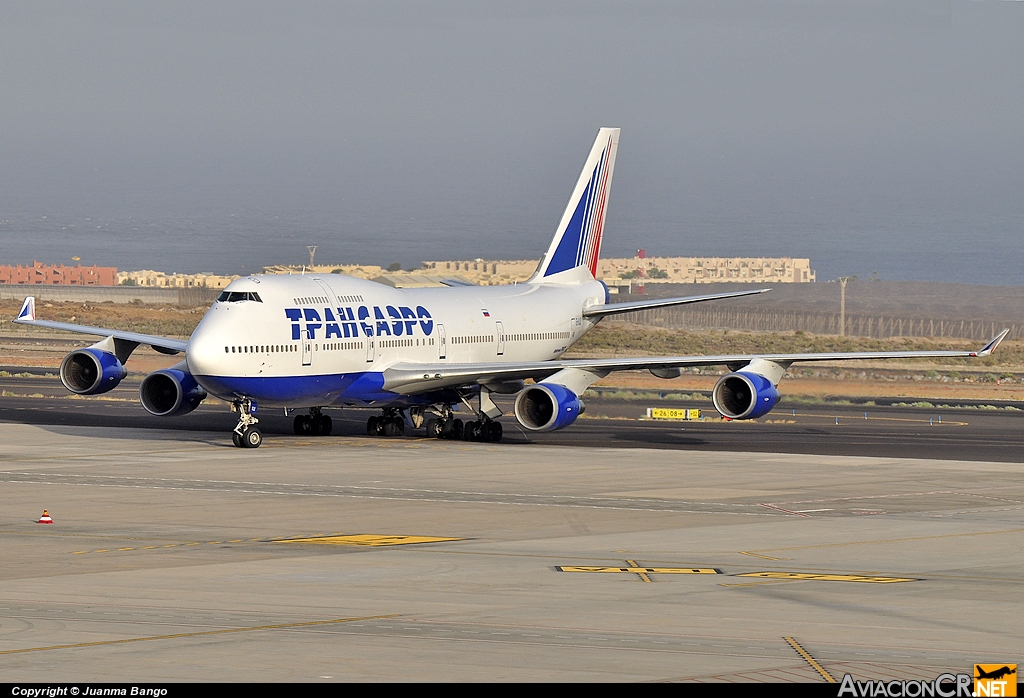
91	371
547	407
743	395
170	392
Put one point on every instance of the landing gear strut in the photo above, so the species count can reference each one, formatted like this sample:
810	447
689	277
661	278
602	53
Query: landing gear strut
313	424
245	433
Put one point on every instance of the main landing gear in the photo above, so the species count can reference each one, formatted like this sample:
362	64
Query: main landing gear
313	424
391	423
245	433
446	426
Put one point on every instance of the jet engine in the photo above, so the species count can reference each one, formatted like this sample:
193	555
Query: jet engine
547	407
744	395
91	371
170	392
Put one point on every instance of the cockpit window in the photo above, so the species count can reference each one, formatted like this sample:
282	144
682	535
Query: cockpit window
236	296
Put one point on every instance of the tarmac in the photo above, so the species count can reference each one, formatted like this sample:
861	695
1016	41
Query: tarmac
174	556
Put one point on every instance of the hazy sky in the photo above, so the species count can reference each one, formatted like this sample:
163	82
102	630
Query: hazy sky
869	136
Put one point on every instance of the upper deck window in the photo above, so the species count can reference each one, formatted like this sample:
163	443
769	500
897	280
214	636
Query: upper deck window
236	296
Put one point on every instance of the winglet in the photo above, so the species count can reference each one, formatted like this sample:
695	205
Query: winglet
991	346
28	309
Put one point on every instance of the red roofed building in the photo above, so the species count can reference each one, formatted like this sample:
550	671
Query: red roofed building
61	275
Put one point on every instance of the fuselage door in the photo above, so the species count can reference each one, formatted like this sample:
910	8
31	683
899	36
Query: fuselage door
501	338
370	349
328	293
442	345
307	349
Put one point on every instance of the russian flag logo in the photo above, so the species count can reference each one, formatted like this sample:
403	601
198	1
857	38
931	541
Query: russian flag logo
484	311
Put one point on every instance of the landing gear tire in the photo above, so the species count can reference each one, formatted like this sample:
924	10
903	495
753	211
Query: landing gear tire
373	426
433	428
325	426
252	438
457	429
236	439
472	431
394	427
301	426
492	432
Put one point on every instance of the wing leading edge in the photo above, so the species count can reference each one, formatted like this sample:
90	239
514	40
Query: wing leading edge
418	378
600	311
164	345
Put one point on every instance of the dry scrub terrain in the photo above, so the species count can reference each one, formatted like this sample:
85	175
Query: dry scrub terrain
998	377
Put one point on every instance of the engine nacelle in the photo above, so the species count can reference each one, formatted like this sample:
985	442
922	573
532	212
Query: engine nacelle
744	395
170	392
91	371
547	407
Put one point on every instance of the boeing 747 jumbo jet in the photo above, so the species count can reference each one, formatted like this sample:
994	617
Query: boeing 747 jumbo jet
305	342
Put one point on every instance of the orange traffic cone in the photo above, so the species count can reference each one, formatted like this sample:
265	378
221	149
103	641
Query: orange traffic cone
45	518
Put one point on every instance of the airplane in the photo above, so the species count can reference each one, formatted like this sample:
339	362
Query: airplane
995	674
310	341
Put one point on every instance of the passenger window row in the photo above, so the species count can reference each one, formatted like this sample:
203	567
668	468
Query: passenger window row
386	343
341	346
534	336
307	300
262	349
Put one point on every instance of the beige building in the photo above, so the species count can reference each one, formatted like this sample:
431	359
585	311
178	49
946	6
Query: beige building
707	270
485	273
642	269
361	271
158	279
614	272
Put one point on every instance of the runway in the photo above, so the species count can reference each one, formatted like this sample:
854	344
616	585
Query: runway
654	552
826	429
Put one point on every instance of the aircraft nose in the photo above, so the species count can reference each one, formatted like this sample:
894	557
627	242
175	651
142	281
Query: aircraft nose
204	354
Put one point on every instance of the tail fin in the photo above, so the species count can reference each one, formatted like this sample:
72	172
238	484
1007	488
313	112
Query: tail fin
577	241
28	309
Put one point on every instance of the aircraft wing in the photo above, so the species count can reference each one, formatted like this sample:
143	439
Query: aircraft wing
164	345
410	378
599	311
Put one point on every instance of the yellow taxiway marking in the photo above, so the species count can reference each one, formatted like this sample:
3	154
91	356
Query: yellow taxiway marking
183	544
367	539
758	584
809	659
828	577
643	575
637	570
202	633
763	557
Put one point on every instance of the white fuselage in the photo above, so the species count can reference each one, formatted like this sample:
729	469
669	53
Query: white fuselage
314	340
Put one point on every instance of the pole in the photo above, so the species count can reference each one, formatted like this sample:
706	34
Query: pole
842	305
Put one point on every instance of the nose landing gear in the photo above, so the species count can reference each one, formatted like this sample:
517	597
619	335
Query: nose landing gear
245	433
